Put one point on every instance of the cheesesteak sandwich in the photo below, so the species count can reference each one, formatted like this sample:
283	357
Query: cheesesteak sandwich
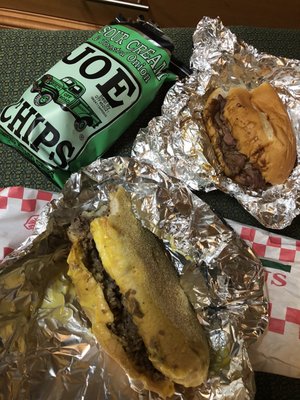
129	290
251	134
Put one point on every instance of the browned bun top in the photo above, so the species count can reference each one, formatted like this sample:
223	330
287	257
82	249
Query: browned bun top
133	257
260	124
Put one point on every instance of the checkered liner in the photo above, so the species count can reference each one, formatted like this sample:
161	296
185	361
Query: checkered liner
284	254
19	210
268	245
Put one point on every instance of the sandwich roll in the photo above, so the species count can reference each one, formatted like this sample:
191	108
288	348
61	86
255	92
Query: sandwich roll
130	291
252	136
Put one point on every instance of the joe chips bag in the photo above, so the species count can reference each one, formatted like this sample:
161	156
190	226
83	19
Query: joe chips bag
74	112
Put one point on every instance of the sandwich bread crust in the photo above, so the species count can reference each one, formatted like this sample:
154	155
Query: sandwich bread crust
134	258
148	283
260	125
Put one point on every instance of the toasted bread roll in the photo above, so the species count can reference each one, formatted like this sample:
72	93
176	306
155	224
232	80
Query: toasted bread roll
251	134
161	319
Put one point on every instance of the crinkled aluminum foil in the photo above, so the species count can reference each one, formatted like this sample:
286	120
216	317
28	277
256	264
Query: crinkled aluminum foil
177	143
47	349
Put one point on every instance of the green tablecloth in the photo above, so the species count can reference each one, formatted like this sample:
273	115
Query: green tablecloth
26	54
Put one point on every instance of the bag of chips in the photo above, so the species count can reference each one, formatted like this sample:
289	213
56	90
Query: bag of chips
74	112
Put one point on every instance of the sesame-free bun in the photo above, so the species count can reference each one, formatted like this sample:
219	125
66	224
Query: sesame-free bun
261	127
92	300
136	260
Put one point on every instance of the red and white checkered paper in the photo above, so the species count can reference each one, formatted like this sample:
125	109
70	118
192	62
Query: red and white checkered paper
19	210
278	351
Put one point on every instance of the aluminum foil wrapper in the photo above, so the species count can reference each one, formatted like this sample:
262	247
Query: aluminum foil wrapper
46	345
177	142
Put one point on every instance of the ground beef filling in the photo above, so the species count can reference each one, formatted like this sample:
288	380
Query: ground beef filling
123	325
242	171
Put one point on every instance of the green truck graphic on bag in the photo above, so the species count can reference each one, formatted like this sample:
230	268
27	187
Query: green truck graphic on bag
66	92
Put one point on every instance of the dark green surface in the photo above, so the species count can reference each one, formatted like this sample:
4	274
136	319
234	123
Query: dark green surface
25	54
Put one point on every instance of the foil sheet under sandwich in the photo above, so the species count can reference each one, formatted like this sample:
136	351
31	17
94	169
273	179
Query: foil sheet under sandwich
47	350
177	141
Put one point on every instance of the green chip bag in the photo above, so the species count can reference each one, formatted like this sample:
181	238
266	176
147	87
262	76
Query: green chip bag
73	113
